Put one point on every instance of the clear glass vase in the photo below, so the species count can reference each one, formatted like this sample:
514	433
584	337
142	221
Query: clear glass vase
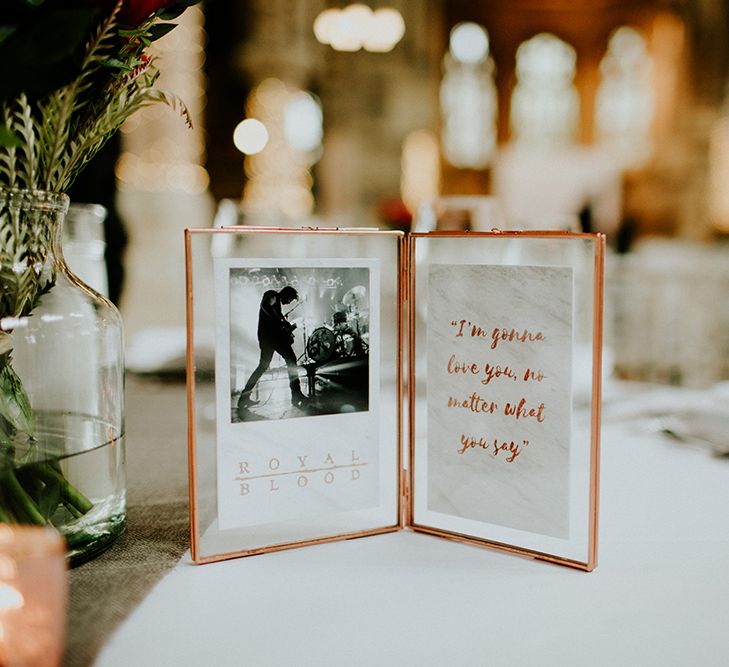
61	384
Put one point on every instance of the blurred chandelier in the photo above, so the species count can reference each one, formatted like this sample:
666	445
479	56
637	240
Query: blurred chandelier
357	26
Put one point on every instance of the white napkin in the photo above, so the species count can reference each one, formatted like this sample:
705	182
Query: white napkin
688	415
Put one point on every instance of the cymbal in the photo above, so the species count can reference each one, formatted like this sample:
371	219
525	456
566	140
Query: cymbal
357	296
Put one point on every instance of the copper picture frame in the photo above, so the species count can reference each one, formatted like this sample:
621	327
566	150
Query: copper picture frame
199	244
403	302
594	251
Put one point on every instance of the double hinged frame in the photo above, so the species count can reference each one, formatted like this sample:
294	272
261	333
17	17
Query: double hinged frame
203	481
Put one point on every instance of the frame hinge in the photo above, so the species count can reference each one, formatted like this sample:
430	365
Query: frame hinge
405	498
404	271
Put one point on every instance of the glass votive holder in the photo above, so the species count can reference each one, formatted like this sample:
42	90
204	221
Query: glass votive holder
33	596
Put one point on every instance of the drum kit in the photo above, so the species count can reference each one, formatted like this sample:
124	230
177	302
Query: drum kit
348	334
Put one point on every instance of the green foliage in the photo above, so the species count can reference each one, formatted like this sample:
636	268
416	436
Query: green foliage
71	76
160	30
8	139
47	496
14	404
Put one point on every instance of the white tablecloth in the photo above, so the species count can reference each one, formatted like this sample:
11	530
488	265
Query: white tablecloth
660	594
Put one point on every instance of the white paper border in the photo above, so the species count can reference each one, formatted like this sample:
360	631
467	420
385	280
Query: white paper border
342	423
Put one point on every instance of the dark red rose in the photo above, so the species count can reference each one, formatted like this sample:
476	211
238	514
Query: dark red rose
393	212
134	12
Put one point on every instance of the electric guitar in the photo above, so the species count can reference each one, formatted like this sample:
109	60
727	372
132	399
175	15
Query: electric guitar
287	328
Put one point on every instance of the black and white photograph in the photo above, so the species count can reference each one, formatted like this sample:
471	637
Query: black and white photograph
299	341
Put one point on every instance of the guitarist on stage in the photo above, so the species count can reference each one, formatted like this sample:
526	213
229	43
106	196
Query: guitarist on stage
275	334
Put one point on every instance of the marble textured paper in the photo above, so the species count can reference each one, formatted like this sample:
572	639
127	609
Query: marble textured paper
499	342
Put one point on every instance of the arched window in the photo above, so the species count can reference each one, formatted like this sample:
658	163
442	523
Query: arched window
625	102
468	99
545	105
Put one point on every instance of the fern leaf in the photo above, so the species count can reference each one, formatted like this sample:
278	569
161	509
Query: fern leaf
8	161
68	97
26	128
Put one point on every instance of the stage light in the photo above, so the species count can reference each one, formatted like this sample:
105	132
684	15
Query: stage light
469	43
250	136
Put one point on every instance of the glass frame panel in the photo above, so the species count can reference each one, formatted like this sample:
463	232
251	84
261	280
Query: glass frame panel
582	255
212	258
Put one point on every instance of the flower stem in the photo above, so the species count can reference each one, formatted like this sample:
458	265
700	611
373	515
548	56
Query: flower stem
5	517
25	508
69	493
